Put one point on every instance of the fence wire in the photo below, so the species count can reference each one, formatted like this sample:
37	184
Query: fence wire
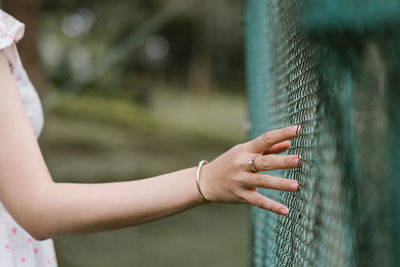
333	80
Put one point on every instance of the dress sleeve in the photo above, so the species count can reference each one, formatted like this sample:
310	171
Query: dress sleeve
11	30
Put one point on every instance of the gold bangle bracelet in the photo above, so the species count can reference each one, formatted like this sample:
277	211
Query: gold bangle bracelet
201	163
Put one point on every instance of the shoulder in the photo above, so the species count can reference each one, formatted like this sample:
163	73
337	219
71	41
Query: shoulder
11	30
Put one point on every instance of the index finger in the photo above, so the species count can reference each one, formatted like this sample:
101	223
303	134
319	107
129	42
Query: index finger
265	141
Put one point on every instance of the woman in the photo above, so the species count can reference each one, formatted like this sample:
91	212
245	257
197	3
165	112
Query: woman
35	208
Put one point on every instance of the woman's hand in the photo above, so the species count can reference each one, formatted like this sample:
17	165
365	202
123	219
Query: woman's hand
47	209
229	178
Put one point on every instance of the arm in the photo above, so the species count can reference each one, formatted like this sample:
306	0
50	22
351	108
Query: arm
47	209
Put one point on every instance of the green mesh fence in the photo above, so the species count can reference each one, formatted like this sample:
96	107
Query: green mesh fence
333	67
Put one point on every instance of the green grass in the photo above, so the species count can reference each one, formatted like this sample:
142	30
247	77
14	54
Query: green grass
219	116
93	139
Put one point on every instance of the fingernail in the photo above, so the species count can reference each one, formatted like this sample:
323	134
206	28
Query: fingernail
284	211
294	186
296	161
298	129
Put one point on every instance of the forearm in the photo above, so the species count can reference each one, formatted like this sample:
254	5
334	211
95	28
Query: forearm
47	209
66	208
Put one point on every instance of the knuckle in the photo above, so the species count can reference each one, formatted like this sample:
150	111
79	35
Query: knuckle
239	179
274	207
259	202
259	181
288	161
237	164
267	139
266	163
238	147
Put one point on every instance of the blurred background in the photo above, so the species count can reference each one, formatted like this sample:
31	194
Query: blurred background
133	89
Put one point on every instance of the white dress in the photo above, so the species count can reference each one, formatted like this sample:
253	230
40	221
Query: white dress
17	247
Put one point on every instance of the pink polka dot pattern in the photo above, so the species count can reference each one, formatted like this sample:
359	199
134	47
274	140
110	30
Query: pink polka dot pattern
17	247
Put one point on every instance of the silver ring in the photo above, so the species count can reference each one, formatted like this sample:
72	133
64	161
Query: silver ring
251	163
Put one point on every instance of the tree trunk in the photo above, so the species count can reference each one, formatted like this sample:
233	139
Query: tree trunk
200	73
27	11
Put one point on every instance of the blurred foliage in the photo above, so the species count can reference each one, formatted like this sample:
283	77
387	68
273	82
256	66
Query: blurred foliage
200	49
220	118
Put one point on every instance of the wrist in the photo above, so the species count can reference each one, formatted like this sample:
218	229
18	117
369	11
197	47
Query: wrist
196	197
205	186
198	173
